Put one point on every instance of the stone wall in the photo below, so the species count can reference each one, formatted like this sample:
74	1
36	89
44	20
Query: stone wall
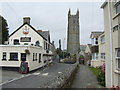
63	79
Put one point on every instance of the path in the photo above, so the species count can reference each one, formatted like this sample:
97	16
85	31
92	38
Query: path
85	79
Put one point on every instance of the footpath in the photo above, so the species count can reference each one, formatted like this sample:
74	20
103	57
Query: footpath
85	79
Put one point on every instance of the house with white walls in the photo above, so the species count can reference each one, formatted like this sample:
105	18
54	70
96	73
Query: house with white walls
112	42
97	48
26	44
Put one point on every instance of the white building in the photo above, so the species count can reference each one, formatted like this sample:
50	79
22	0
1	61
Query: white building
112	44
97	49
26	44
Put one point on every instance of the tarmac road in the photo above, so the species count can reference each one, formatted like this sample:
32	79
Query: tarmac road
13	79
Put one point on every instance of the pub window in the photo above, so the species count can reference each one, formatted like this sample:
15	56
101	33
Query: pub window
37	43
13	56
4	56
44	45
33	56
16	42
36	56
23	56
25	39
39	57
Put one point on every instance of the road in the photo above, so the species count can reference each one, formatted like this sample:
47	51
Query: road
13	79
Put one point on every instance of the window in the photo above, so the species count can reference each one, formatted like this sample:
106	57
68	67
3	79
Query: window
13	56
96	55
93	56
16	42
37	43
33	56
118	63
96	40
102	55
102	39
118	8
44	45
118	57
4	56
23	56
36	57
25	39
118	53
39	57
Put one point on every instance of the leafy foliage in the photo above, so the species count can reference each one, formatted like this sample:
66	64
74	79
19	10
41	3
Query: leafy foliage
99	74
3	30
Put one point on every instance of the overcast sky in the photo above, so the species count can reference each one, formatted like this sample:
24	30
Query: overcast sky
52	16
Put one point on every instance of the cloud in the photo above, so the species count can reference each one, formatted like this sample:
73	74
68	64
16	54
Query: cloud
52	16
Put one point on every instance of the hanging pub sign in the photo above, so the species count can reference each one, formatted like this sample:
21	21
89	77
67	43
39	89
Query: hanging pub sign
26	30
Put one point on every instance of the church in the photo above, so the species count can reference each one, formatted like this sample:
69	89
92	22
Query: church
73	38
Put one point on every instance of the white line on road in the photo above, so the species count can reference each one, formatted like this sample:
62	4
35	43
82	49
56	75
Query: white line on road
45	74
8	81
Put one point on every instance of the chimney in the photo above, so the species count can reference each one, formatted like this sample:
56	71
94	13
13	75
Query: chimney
26	20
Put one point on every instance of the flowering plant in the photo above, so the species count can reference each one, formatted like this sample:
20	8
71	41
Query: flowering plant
103	68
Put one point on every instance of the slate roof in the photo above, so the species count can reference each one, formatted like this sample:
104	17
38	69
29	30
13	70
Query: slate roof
45	34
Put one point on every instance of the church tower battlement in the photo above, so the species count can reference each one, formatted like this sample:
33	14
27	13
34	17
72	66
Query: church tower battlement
73	43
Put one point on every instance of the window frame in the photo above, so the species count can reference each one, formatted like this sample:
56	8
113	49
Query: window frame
36	56
33	56
39	57
117	7
11	59
25	57
103	56
117	59
5	56
18	43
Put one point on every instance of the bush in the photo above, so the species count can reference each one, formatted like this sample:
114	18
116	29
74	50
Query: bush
101	78
99	74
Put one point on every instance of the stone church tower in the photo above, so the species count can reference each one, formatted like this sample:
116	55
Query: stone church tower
73	44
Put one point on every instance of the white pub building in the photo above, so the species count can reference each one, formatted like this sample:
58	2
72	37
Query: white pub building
26	44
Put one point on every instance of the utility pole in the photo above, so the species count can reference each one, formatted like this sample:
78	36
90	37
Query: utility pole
63	46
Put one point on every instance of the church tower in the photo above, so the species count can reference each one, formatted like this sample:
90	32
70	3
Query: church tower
73	43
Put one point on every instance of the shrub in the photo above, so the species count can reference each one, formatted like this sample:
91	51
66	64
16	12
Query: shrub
101	78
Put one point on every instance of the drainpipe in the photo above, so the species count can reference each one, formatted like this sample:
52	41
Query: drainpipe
110	25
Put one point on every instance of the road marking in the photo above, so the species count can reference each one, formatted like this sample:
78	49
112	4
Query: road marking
45	74
59	72
36	73
8	81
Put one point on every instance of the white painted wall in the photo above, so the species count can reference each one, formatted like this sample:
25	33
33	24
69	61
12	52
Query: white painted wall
34	36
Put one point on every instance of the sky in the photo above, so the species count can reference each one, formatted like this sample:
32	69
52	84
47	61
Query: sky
52	16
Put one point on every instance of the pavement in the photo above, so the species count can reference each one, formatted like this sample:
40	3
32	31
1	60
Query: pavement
85	79
36	79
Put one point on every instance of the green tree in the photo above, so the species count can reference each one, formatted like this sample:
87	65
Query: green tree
3	30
